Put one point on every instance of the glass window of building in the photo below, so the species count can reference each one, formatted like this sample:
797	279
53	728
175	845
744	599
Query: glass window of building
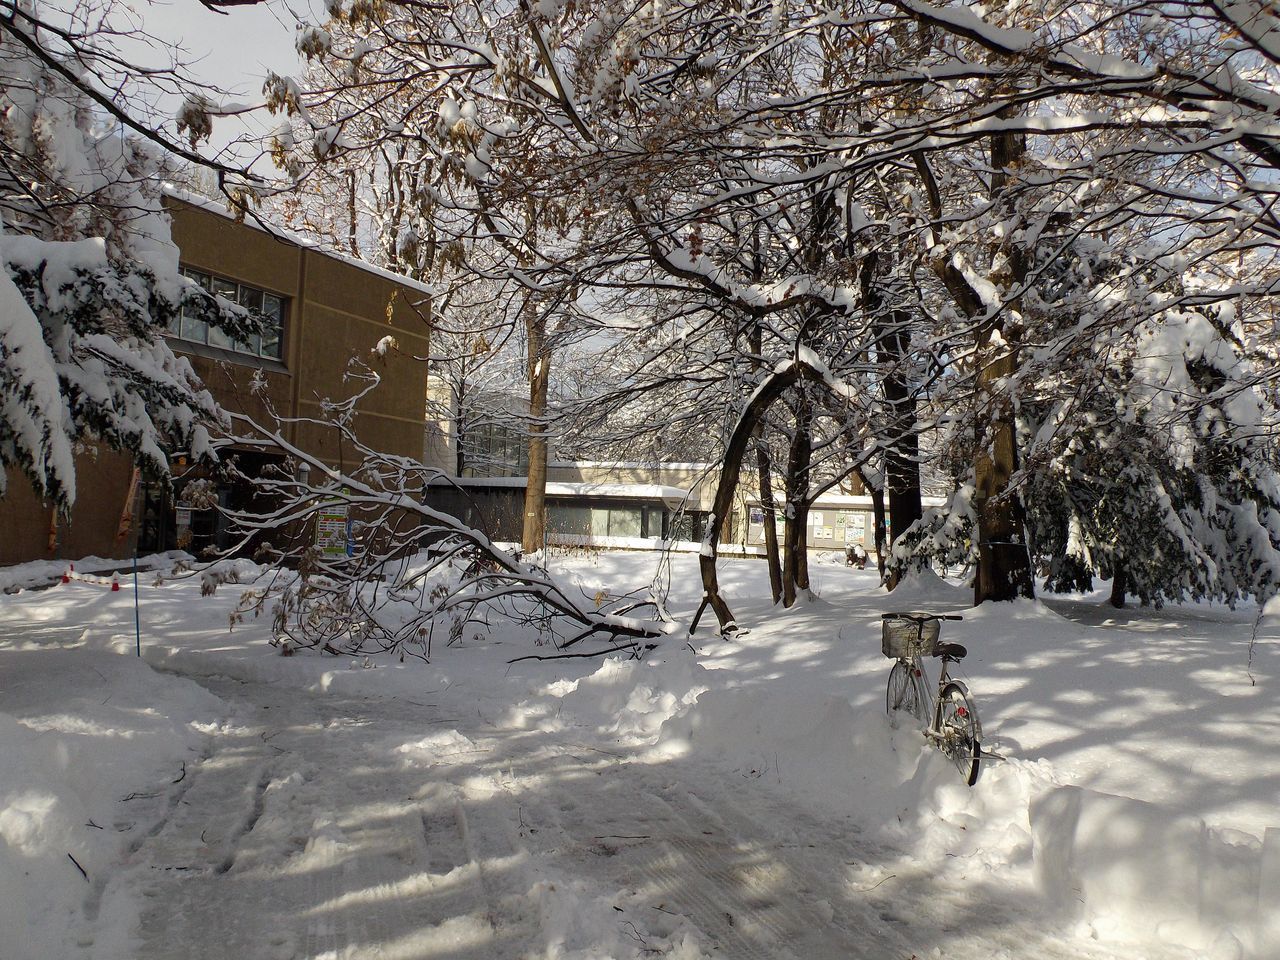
269	307
492	449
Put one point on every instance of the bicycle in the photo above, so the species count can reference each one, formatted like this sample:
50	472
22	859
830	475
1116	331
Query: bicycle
953	726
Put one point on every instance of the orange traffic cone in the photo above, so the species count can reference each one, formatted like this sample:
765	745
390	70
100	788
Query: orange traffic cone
115	582
66	575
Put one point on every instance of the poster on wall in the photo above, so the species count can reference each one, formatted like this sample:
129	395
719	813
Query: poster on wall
182	522
816	517
333	531
828	533
856	531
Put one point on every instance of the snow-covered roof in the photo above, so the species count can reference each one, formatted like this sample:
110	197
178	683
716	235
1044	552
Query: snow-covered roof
861	502
630	464
559	488
280	233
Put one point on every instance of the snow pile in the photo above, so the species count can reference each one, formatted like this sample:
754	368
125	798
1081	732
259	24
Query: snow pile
1123	869
821	748
626	697
925	589
89	744
1126	868
44	573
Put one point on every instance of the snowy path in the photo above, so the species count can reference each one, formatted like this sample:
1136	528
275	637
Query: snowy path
328	827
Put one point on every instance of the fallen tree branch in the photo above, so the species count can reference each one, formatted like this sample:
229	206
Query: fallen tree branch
635	650
78	867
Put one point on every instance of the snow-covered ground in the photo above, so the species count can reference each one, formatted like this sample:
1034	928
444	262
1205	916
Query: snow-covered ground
718	799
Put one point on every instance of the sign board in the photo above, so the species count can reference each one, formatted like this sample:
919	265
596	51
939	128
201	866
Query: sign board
183	517
757	515
333	531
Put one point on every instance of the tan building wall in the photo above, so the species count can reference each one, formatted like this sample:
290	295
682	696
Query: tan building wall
27	523
335	310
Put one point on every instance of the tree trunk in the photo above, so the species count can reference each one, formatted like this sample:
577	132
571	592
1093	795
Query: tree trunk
1119	586
773	386
352	242
765	470
795	556
535	491
770	510
791	534
770	389
802	554
902	457
1004	566
878	518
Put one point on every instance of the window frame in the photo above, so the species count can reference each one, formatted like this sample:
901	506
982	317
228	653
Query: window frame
493	449
237	293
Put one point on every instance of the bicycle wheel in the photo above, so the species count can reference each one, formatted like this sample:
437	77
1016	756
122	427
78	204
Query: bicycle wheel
906	691
960	731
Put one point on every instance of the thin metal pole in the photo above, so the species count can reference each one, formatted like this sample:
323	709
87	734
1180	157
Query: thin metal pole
137	617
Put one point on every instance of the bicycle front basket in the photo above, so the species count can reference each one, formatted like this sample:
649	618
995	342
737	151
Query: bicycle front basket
899	638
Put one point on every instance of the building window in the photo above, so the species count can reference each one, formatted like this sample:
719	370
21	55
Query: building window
268	306
637	521
690	525
494	450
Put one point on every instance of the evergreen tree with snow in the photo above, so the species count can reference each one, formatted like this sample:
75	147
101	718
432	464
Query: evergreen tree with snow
89	279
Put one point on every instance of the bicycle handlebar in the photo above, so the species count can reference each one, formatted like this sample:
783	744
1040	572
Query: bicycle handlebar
920	618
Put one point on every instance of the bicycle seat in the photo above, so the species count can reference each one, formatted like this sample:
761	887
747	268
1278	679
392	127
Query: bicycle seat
950	651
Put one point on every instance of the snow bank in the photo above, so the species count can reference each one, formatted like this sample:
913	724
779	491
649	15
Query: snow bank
44	573
622	697
1130	869
1123	869
85	736
823	748
924	589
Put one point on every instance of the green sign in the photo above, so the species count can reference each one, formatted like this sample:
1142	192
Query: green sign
333	531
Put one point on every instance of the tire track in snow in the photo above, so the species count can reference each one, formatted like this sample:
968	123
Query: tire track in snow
631	829
743	868
296	841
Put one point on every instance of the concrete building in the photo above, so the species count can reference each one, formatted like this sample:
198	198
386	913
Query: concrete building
320	311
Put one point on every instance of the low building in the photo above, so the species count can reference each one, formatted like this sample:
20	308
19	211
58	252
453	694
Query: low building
320	310
614	504
627	505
